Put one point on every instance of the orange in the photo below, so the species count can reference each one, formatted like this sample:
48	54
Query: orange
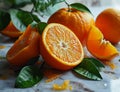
64	86
11	31
108	21
79	22
98	46
24	48
60	47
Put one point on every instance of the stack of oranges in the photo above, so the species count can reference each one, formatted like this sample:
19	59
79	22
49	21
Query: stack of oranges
62	41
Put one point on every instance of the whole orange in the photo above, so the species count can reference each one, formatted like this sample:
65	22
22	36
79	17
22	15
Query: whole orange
108	21
79	22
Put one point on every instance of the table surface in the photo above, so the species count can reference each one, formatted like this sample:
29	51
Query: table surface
110	82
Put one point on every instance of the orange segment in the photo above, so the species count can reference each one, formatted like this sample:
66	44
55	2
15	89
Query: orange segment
99	47
25	48
11	31
60	47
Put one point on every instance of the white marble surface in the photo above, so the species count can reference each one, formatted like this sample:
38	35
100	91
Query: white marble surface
110	82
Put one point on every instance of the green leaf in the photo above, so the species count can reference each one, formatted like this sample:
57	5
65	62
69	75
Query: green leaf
98	63
8	4
35	18
80	7
21	19
18	3
28	77
41	6
4	19
2	58
88	69
57	1
41	26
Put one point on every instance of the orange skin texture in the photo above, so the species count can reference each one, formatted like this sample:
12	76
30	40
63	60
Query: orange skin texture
24	48
99	47
79	22
11	31
108	21
49	53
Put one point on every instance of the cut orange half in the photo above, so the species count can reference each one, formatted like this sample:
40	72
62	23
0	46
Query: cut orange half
98	46
60	47
24	48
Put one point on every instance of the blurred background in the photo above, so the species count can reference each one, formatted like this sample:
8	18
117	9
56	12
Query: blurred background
99	2
95	6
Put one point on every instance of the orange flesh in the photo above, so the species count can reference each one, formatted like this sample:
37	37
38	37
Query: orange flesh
60	47
79	22
21	44
2	46
24	48
99	47
59	43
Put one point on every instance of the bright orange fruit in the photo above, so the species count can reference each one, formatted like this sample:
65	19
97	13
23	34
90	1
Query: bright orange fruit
60	47
25	47
108	21
98	46
11	31
79	22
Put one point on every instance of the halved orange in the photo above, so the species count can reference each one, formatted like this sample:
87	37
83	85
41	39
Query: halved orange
11	31
98	46
24	48
60	47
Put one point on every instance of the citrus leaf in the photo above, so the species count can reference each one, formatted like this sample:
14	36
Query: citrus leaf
35	18
4	19
8	4
88	69
98	63
2	58
21	19
28	77
19	3
80	7
57	1
41	26
41	6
